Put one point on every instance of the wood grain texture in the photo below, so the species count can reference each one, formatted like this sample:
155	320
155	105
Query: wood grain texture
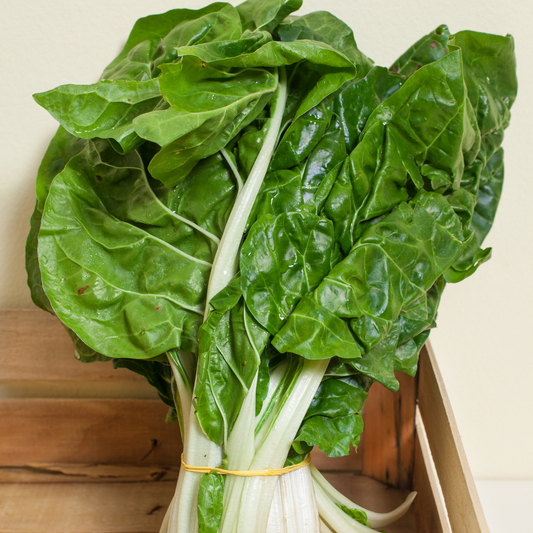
137	507
84	507
462	501
89	473
389	433
86	431
34	346
428	508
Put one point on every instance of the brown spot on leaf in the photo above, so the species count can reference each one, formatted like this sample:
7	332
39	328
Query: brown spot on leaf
245	363
394	68
98	177
158	307
433	44
131	172
82	290
204	64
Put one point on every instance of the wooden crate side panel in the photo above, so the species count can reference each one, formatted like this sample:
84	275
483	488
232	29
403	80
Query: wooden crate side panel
389	433
34	346
86	431
462	501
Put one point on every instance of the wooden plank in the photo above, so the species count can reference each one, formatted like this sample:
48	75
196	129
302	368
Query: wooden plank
140	507
35	347
462	501
86	431
84	507
389	432
428	507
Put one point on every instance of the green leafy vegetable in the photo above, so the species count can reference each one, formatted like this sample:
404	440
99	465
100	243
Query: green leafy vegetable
251	215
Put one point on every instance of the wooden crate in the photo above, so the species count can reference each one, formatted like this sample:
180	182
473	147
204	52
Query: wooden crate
86	465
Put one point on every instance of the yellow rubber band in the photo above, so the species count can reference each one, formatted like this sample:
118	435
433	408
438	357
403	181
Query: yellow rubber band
246	473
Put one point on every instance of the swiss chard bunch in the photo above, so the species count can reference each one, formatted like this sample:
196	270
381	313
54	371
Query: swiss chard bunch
249	213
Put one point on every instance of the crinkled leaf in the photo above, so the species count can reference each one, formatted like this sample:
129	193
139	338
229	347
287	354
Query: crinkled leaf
314	332
230	347
356	102
338	397
283	259
406	138
490	191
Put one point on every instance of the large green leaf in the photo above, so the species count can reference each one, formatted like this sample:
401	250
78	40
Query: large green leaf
63	147
490	75
109	251
129	86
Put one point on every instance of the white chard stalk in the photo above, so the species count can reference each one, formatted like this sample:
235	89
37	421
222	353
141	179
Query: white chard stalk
198	450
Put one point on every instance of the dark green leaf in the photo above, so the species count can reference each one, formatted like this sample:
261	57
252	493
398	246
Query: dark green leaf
490	191
407	136
429	48
338	397
283	259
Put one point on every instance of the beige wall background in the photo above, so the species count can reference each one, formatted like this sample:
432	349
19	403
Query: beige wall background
483	342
